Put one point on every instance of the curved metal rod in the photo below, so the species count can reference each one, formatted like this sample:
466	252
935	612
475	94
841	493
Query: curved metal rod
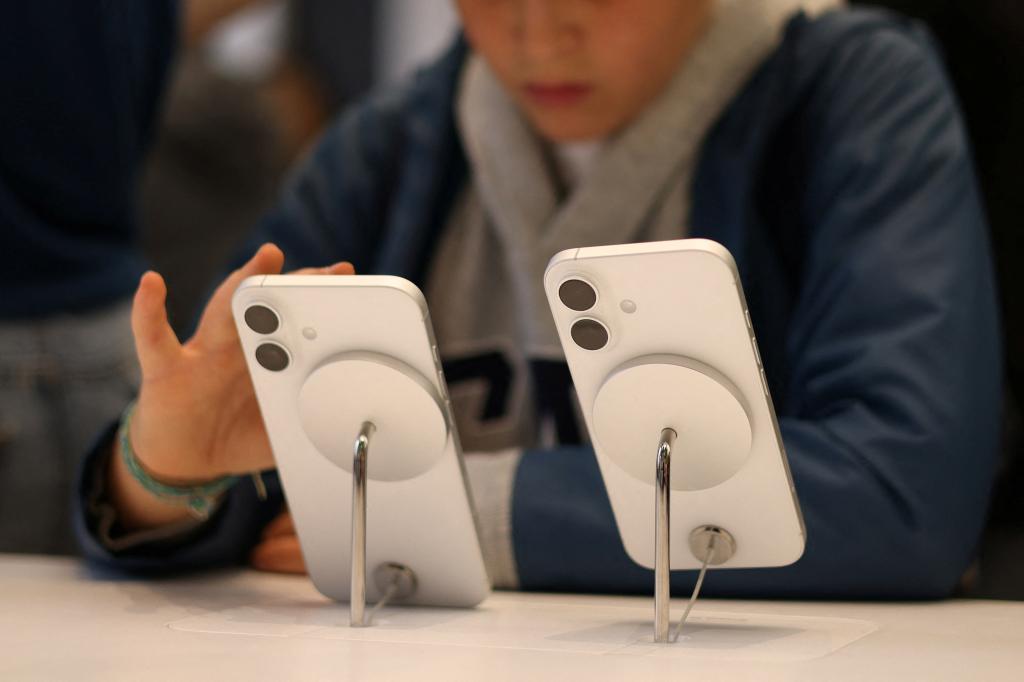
662	522
357	591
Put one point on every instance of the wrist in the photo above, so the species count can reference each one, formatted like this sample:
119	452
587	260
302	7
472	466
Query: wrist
199	497
135	507
149	440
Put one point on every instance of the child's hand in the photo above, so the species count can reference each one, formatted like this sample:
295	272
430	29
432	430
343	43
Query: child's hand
197	417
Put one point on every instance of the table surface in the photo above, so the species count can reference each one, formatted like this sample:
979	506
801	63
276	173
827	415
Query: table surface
59	621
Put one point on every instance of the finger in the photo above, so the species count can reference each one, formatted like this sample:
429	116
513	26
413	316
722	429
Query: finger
342	268
155	342
217	326
280	526
279	555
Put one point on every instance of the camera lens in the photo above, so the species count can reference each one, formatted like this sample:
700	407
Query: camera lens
589	334
577	295
261	319
272	356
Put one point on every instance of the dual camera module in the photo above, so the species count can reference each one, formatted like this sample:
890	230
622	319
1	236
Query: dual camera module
581	296
262	320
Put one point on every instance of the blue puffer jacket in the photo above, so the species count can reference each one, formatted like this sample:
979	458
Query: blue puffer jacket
841	180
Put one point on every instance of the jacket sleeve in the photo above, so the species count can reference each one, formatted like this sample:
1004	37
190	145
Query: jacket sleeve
892	403
226	538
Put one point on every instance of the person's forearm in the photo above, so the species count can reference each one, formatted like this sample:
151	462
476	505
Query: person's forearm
137	508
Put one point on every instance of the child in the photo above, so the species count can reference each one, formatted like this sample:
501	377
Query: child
825	151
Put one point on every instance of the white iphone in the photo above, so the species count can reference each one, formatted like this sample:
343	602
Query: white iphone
329	355
657	336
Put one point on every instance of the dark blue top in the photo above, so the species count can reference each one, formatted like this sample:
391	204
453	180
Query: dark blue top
80	82
841	180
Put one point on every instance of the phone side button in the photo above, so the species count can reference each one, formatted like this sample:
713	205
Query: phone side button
443	384
750	323
757	354
764	383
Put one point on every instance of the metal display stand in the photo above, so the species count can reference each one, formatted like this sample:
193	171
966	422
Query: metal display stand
694	410
710	545
407	434
392	579
357	593
662	526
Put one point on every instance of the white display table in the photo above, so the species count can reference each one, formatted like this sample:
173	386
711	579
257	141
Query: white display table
58	621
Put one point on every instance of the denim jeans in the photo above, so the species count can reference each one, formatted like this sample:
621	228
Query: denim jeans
62	380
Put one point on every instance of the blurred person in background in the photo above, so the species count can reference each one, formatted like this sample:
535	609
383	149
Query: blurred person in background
255	84
825	150
81	84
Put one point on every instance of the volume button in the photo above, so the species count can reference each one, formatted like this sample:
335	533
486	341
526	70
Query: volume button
440	372
757	354
764	384
444	384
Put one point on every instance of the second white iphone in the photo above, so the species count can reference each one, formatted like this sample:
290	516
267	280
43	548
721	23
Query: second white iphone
657	335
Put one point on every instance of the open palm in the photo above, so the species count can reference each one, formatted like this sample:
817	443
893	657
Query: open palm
197	416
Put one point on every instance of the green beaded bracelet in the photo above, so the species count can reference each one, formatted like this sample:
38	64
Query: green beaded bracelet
200	499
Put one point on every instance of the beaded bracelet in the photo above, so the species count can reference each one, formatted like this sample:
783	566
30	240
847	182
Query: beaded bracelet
200	499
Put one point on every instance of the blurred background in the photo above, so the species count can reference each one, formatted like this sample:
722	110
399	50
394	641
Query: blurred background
258	79
255	83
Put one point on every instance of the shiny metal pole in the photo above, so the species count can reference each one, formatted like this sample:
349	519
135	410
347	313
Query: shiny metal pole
662	522
357	591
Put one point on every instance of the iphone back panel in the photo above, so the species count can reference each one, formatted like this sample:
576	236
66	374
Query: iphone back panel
677	304
419	514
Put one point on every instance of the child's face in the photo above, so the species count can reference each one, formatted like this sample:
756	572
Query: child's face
583	69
